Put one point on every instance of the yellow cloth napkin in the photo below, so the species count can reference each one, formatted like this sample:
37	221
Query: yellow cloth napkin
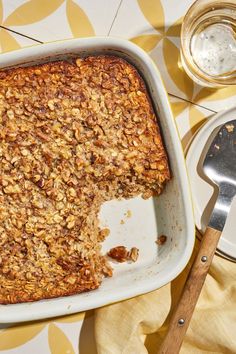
138	325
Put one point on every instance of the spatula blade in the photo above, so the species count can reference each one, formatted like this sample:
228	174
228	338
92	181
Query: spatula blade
220	167
220	160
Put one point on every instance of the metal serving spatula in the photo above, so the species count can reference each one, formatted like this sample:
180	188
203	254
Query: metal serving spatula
220	167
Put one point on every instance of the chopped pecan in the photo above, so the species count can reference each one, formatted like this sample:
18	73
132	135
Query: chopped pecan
121	254
161	240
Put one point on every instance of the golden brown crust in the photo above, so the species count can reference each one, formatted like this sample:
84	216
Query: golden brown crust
73	135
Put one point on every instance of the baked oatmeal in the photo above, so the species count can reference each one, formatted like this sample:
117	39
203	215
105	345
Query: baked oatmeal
73	135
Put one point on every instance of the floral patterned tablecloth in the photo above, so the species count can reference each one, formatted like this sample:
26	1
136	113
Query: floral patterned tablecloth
154	25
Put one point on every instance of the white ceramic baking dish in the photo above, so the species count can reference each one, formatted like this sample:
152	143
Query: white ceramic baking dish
170	214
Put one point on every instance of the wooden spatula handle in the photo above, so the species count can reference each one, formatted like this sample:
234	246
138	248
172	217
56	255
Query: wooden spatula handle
181	317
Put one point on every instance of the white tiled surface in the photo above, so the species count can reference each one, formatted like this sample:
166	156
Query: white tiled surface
166	53
126	19
55	25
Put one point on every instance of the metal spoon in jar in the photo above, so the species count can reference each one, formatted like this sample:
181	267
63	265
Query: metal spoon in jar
219	166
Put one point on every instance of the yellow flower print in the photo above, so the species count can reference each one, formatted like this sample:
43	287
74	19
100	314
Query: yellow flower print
17	335
36	10
7	41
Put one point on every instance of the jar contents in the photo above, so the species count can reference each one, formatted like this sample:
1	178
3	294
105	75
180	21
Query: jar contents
213	49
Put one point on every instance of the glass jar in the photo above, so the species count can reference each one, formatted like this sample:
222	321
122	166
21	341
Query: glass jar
208	42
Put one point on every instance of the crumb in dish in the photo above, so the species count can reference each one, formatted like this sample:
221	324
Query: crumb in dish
121	254
161	240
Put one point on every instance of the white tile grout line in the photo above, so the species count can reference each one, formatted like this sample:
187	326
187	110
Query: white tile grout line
20	34
193	103
118	8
